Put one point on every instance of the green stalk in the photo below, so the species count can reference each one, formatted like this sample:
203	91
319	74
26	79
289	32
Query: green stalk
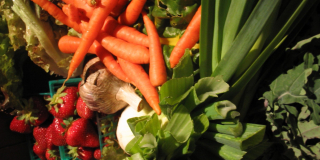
230	129
237	15
206	34
221	151
253	134
257	47
273	45
221	11
245	39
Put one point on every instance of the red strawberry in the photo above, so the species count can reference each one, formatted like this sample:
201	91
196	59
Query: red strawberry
82	132
39	134
49	137
19	124
97	153
86	153
83	110
63	103
52	154
40	152
40	112
58	131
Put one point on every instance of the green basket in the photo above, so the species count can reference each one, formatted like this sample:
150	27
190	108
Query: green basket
53	86
30	142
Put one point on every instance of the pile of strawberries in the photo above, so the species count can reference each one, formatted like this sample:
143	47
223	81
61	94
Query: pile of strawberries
61	120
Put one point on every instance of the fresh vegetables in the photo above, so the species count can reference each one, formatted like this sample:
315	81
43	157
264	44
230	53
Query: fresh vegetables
292	100
157	68
99	14
140	78
189	38
204	91
103	92
132	12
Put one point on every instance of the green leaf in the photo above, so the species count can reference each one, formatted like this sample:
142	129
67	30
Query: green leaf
180	126
148	145
206	40
248	34
152	125
288	88
205	89
219	110
185	67
137	124
133	146
175	90
309	130
315	115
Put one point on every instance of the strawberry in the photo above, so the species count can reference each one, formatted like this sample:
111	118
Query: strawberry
39	111
86	153
49	137
19	124
63	103
58	131
83	110
82	133
33	113
97	153
39	151
39	134
52	154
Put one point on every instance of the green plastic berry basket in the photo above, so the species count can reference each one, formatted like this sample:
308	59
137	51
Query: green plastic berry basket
100	118
30	142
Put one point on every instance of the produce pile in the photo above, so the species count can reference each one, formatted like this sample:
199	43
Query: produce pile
180	74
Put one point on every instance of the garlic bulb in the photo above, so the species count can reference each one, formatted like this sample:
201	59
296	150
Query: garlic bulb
103	92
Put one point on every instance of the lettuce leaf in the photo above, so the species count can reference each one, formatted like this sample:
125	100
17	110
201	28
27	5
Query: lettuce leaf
34	30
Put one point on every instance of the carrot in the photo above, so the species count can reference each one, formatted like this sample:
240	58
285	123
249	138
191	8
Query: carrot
141	80
72	12
132	12
125	50
82	6
95	24
57	13
69	44
119	8
92	3
157	67
187	40
124	32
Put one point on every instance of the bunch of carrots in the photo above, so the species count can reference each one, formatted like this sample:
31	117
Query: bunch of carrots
106	31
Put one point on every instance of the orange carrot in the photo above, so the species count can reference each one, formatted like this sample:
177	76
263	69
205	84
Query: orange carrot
92	3
132	12
69	44
57	13
157	67
187	40
122	49
124	32
96	21
72	12
141	80
119	8
82	6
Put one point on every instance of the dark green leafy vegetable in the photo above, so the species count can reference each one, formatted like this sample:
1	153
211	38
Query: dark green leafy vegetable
292	103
